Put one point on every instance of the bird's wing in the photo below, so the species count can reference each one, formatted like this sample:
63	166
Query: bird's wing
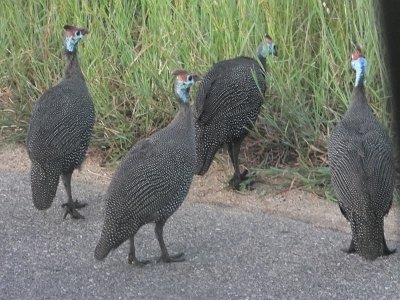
361	170
58	125
220	90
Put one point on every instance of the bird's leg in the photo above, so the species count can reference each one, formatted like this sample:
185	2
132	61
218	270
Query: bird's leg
132	256
386	250
71	206
237	178
351	249
165	257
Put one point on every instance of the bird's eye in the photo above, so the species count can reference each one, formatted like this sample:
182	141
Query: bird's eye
190	78
78	33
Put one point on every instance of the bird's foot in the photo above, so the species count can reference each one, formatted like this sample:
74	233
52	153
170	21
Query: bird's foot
387	251
350	250
72	209
237	182
139	263
174	258
79	205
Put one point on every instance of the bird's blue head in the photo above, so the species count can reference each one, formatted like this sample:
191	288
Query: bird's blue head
72	36
184	81
267	47
359	64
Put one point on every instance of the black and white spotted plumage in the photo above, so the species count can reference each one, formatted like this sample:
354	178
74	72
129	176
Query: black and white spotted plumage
60	130
362	170
152	180
228	102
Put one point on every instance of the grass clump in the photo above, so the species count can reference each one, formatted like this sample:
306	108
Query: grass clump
134	45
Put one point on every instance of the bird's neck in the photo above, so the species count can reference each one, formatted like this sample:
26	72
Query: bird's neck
72	69
184	107
359	94
184	117
262	55
263	61
359	79
184	110
359	100
182	93
360	68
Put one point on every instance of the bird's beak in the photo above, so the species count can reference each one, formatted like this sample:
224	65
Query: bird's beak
84	31
196	77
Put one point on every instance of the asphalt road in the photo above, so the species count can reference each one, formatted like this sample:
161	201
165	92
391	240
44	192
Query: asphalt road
231	254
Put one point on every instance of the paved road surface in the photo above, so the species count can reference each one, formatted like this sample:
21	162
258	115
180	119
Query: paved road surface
230	254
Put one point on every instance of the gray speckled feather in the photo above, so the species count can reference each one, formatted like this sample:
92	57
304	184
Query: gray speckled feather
61	122
59	132
362	169
228	101
151	182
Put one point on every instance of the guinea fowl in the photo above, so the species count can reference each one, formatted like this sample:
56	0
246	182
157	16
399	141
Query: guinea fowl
227	104
152	181
362	169
60	129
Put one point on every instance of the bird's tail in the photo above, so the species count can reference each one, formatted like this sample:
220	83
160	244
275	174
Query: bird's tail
368	235
111	237
102	249
44	183
202	165
206	148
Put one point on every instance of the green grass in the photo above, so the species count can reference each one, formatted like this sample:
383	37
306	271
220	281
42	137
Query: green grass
134	45
316	180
